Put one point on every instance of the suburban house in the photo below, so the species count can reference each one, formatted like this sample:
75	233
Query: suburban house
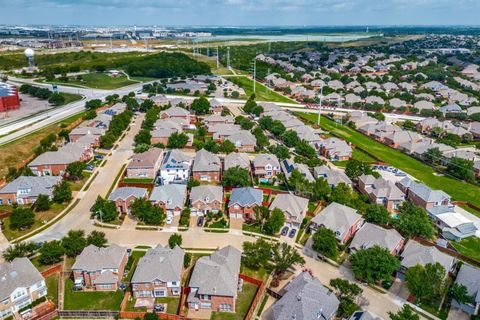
294	208
216	107
421	195
20	284
215	281
469	277
170	197
340	219
266	166
243	202
159	273
26	189
333	176
453	222
381	191
371	235
335	149
235	159
80	132
305	298
243	140
164	128
395	139
175	167
415	253
177	112
124	196
207	167
215	119
288	166
206	198
145	165
100	269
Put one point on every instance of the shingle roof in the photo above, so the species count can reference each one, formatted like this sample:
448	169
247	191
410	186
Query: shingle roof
173	195
337	218
206	161
18	273
415	253
236	159
246	197
293	206
160	263
145	159
125	192
264	159
174	159
35	185
206	193
371	235
94	258
176	112
424	192
470	277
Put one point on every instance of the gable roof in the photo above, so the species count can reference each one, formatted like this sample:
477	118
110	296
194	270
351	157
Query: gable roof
206	161
176	159
94	258
206	193
246	197
263	159
20	273
160	263
146	159
292	206
423	191
337	218
173	195
371	235
470	277
415	253
236	159
36	185
125	192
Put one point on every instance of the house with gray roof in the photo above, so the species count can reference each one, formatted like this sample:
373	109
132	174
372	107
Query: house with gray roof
288	166
453	221
206	198
26	189
307	133
215	282
305	298
243	140
124	196
422	195
266	166
424	105
397	103
145	164
207	167
175	167
381	191
293	207
159	273
469	277
100	269
371	235
243	202
20	285
176	112
415	253
237	159
170	197
343	221
215	119
333	176
450	108
335	149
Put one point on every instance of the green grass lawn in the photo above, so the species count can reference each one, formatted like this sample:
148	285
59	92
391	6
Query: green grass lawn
93	300
459	190
70	97
243	302
138	180
102	81
469	247
172	305
260	274
262	93
52	288
357	155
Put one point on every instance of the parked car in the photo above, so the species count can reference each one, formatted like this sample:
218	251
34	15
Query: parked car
292	233
285	231
200	222
159	308
169	220
90	167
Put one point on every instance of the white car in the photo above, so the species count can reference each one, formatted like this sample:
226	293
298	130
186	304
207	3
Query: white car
169	220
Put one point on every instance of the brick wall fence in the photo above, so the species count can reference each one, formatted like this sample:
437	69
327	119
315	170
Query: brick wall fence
53	269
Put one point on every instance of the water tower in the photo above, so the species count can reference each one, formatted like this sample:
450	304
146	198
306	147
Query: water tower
29	53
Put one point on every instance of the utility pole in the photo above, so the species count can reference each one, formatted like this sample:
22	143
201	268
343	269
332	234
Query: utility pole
228	58
217	57
320	106
208	51
254	73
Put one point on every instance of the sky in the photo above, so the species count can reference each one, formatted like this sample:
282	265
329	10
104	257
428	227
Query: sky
241	12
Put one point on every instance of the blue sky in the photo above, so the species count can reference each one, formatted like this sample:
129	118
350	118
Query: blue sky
241	12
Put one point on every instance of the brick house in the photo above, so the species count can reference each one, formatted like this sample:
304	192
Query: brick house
216	119
335	149
423	196
170	197
243	140
206	198
293	207
145	165
207	167
370	235
26	189
176	112
124	196
243	201
216	107
159	273
266	166
100	269
214	283
80	132
381	191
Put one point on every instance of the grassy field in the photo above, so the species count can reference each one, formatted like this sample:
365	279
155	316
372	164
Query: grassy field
469	247
93	300
263	93
70	97
243	302
101	81
459	190
357	155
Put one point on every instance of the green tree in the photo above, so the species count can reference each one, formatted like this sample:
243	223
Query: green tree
93	104
261	214
377	214
414	221
433	155
97	238
461	168
104	210
262	140
345	288
303	148
150	316
90	114
275	222
236	177
177	140
227	147
342	194
62	192
374	264
74	242
143	137
19	250
346	307
21	218
320	190
75	170
355	169
280	151
175	240
187	259
406	313
459	293
426	283
290	138
57	99
42	203
147	212
51	252
325	243
284	257
201	105
256	254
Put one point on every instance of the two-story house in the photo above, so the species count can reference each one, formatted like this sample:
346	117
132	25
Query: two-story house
170	197
469	277
175	167
26	189
207	167
422	195
206	198
243	202
381	191
124	196
370	235
293	207
145	164
266	167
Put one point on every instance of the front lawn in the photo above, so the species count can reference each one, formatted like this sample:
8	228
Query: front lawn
91	300
469	247
262	93
244	300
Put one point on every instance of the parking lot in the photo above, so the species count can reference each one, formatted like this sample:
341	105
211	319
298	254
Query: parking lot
28	106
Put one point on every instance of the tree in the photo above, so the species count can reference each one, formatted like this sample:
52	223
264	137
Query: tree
175	240
346	307
355	169
433	155
377	213
227	147
274	222
150	316
406	313
426	283
143	137
90	114
280	151
262	140
303	148
187	258
93	104
459	293
74	242
75	170
97	238
21	218
373	264
177	140
19	250
261	215
185	218
62	192
51	252
201	105
42	203
147	212
141	148
414	221
56	99
342	194
461	168
345	288
284	257
104	210
325	243
236	177
290	138
321	190
256	254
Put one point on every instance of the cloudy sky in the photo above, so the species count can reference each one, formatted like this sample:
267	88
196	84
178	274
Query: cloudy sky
241	12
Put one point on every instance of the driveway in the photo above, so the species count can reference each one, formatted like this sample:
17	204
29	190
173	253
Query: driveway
456	314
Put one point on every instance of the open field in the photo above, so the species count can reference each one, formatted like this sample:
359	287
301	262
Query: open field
378	40
101	81
469	247
262	93
211	61
459	190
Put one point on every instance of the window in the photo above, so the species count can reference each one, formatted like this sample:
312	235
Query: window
225	307
1	201
6	301
174	283
9	201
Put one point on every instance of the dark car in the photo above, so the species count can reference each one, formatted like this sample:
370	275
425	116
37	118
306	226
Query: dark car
284	231
200	222
292	233
159	308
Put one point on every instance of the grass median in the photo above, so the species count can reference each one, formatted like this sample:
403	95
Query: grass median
262	93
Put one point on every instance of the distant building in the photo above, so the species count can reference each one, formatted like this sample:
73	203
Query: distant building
9	99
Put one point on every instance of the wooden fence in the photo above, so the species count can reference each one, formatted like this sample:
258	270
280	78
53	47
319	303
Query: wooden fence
258	294
53	269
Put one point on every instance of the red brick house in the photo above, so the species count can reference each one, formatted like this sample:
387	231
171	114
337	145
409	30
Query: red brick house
207	167
123	197
243	201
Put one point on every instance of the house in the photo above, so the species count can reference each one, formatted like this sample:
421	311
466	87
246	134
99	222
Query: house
266	166
453	221
207	167
215	119
415	253
374	100
307	133
80	132
164	128
397	103
214	282
206	198
381	191
176	112
145	165
294	208
175	167
469	277
288	166
243	140
243	202
333	176
451	108
395	139
124	196
170	197
235	159
335	149
216	107
159	273
26	189
424	105
305	298
371	235
20	285
341	220
421	195
100	269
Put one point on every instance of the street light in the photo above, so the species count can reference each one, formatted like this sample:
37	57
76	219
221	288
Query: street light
320	105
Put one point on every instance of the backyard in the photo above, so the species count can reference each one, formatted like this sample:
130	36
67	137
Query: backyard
173	304
262	93
469	247
94	300
244	300
52	287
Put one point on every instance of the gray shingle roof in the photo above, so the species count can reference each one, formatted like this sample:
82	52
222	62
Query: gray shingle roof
305	299
293	206
415	253
371	235
246	197
470	277
18	273
206	193
264	159
173	195
94	258
35	185
160	263
288	166
424	192
337	218
146	159
125	192
236	159
206	161
174	159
